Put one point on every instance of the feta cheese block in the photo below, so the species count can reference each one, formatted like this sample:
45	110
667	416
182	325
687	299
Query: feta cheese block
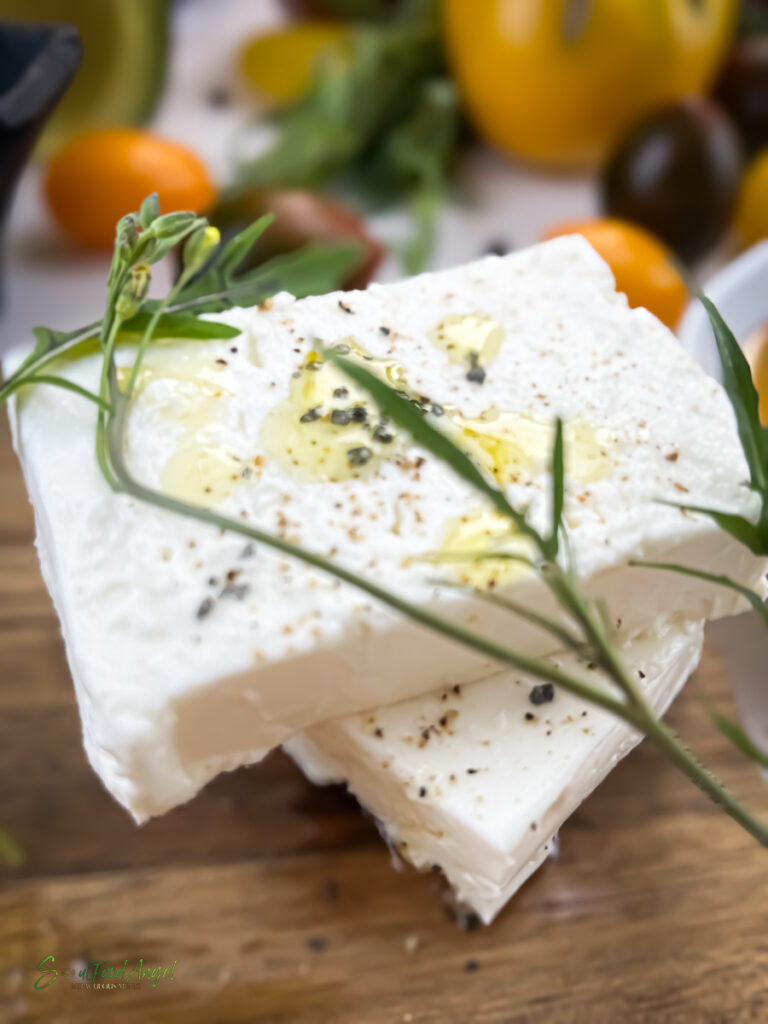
193	651
478	779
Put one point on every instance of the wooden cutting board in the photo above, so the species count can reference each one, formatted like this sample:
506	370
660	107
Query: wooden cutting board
279	902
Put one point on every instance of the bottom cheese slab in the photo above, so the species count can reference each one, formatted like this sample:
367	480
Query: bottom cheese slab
479	778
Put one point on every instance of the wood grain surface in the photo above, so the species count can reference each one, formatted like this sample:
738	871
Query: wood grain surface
280	904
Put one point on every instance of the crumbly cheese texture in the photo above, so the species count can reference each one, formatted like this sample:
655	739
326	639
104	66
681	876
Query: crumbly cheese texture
478	780
193	652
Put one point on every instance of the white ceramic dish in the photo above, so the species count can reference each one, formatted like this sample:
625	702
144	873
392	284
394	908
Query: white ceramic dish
740	292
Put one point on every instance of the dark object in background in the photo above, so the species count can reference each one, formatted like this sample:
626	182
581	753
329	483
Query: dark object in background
300	217
354	10
37	63
677	174
753	18
743	91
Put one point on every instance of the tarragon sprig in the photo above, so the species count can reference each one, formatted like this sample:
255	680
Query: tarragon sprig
753	435
146	237
593	634
741	390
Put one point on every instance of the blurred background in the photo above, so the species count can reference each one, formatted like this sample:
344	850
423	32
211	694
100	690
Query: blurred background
432	131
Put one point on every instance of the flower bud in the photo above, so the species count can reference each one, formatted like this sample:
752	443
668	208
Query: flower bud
134	291
200	245
150	210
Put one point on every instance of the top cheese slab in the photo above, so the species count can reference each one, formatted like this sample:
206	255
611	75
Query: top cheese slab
193	652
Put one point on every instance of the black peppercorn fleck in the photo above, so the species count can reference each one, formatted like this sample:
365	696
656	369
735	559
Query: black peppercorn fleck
359	456
476	374
206	607
340	417
359	414
340	392
542	694
310	415
382	435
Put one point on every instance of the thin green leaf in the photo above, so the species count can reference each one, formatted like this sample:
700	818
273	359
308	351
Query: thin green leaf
178	325
230	258
312	270
721	581
66	385
315	269
10	851
545	622
734	732
418	425
558	488
751	536
415	162
738	383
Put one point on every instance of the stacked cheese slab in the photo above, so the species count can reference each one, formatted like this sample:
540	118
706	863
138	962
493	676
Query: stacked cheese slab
193	652
478	779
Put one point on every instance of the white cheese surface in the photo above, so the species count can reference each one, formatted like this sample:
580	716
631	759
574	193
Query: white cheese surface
193	652
479	781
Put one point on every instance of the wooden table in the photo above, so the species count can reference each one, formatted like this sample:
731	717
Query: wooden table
280	904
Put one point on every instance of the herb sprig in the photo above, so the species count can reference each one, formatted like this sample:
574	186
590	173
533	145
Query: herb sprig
741	390
144	237
312	270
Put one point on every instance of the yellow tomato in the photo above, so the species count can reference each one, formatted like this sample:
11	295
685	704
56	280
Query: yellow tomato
752	211
640	263
280	64
556	81
98	177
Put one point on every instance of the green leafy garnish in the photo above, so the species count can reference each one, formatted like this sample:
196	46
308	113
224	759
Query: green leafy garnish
734	732
314	269
754	599
415	162
740	388
381	116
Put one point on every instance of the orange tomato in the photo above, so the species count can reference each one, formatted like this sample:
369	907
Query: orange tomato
98	177
641	264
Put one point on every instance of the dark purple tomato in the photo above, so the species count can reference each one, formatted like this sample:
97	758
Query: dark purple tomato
743	91
301	217
677	174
